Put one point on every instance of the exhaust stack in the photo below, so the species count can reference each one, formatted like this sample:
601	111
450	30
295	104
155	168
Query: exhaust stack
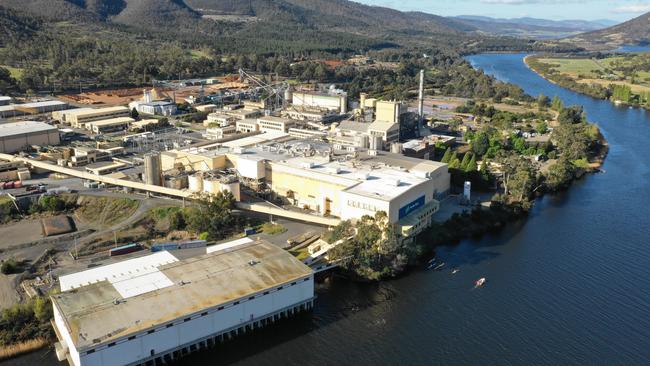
421	102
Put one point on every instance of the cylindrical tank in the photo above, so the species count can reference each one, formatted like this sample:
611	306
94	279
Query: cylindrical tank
195	183
232	187
362	102
152	169
344	103
396	148
211	186
288	96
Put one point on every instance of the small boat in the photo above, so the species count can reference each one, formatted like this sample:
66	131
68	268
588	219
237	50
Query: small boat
439	266
455	270
480	282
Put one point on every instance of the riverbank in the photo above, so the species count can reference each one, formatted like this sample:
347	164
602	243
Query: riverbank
594	90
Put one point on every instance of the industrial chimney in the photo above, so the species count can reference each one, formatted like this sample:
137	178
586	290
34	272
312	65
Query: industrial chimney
421	102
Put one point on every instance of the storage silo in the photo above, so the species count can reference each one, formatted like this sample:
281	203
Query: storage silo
152	169
396	148
195	182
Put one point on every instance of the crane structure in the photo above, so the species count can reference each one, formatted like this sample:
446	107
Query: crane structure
272	94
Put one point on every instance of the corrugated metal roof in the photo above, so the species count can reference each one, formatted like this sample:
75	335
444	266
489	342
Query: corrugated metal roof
23	127
228	245
128	269
93	316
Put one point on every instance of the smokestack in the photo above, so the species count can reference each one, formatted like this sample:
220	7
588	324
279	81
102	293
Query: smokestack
421	101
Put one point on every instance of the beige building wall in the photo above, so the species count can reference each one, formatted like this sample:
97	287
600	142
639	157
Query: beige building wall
389	111
317	194
191	161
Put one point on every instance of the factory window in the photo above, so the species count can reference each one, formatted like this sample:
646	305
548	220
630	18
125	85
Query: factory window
90	351
170	325
306	279
131	338
251	298
220	308
111	344
151	331
236	303
204	314
280	288
187	319
293	284
266	292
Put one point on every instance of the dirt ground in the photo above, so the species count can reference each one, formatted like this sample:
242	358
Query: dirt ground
20	232
9	294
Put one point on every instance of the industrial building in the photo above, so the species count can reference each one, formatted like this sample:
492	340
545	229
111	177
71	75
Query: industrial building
10	111
109	125
41	107
311	175
155	308
247	125
270	123
154	104
5	100
79	117
218	133
337	103
157	108
16	136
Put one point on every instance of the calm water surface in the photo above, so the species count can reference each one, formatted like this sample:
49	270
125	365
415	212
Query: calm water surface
569	286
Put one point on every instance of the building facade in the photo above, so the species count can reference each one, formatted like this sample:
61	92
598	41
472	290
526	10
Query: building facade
152	308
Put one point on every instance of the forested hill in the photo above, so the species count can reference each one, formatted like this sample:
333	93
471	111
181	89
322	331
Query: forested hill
283	25
635	32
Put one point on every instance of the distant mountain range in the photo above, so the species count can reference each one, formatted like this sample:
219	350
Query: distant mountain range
632	32
532	27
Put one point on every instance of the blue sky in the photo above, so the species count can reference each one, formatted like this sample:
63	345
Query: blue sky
551	9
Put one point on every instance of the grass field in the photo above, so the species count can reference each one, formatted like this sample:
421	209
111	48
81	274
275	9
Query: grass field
592	70
16	73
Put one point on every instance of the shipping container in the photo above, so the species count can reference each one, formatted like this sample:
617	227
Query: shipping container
125	249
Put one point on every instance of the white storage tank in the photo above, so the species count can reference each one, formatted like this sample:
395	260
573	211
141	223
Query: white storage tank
232	187
396	148
195	182
211	186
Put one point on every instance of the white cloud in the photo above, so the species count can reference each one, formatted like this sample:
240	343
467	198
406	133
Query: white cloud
633	8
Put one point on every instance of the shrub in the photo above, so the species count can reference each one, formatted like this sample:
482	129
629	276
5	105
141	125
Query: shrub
10	266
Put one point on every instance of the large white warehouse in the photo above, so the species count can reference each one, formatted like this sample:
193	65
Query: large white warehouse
156	307
16	136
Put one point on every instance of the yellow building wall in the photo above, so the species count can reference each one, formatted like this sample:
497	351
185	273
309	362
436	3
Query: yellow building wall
386	111
192	161
312	192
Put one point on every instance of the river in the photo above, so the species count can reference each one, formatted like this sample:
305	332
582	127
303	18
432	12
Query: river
567	286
